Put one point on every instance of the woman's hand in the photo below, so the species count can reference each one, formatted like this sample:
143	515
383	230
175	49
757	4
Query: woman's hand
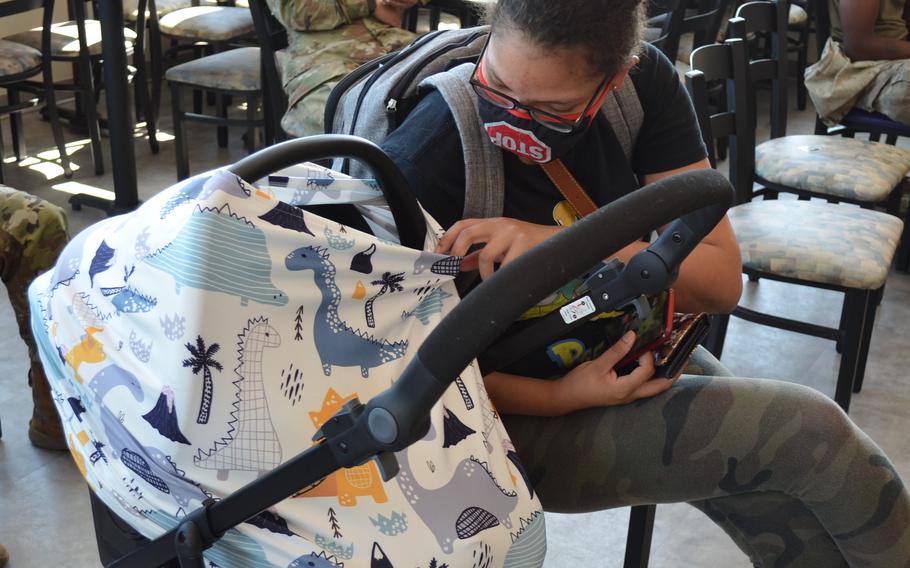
596	383
505	240
390	12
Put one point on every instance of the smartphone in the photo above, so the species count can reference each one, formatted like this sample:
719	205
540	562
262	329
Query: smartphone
690	330
648	338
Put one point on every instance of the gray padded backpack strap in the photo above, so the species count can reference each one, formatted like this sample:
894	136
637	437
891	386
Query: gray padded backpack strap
484	177
624	112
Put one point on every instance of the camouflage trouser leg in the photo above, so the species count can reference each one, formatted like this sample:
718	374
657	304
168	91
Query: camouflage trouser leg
32	234
778	466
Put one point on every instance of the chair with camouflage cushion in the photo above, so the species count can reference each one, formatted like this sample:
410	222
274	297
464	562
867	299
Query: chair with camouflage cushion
837	169
78	41
233	73
204	28
809	243
19	64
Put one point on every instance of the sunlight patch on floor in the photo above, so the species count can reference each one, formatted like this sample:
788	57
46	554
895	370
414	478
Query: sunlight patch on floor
75	187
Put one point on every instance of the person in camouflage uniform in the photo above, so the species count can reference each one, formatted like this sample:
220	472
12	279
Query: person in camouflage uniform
327	40
32	234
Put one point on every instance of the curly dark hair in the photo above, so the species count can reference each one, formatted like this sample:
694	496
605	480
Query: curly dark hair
610	30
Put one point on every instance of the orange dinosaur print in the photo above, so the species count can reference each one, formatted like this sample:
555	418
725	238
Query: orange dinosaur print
89	350
346	484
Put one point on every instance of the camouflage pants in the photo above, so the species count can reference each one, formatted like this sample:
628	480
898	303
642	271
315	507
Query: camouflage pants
32	234
778	466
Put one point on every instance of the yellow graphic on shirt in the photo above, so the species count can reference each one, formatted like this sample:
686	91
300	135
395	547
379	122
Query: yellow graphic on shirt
564	214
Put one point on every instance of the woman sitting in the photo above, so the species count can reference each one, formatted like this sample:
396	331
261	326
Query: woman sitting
778	466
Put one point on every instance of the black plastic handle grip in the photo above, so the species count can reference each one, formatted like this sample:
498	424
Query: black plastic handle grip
412	227
494	305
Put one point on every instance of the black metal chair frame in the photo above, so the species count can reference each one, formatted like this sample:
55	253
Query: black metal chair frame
43	91
762	17
87	84
467	12
702	18
273	37
200	48
729	62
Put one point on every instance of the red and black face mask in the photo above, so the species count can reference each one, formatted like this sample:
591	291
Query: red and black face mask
517	131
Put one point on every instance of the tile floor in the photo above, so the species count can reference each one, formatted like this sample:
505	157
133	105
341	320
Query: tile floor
45	519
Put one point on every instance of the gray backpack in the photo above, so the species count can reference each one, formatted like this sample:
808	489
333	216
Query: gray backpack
375	99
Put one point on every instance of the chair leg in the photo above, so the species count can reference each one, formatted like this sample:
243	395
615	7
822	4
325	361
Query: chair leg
50	101
91	112
221	109
866	337
143	101
717	334
157	73
903	252
2	156
801	64
855	305
180	145
638	541
15	125
251	107
891	139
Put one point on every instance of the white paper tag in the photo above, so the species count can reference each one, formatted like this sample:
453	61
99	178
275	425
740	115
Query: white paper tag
576	310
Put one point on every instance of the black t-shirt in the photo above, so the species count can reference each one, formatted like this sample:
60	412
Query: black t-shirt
427	148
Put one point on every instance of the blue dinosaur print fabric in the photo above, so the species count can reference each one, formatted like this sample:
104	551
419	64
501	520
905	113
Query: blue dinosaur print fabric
201	340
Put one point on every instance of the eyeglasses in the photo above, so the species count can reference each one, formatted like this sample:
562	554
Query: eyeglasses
560	123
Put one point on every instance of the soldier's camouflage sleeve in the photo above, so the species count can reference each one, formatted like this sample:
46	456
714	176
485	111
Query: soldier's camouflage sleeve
319	15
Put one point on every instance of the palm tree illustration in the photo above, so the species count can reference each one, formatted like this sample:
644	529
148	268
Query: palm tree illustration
202	360
390	283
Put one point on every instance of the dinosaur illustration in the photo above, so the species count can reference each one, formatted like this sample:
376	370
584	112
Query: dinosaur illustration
251	443
68	262
426	260
77	406
288	217
129	301
313	560
346	484
126	299
141	349
186	193
88	350
234	548
103	259
470	502
149	463
200	188
76	453
337	242
429	306
218	251
337	343
529	544
88	314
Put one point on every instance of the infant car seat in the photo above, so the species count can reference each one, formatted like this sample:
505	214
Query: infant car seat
209	351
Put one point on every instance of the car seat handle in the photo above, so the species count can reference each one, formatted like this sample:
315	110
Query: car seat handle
697	199
409	219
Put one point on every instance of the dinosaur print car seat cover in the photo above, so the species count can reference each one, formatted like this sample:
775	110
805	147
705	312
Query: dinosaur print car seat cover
201	340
